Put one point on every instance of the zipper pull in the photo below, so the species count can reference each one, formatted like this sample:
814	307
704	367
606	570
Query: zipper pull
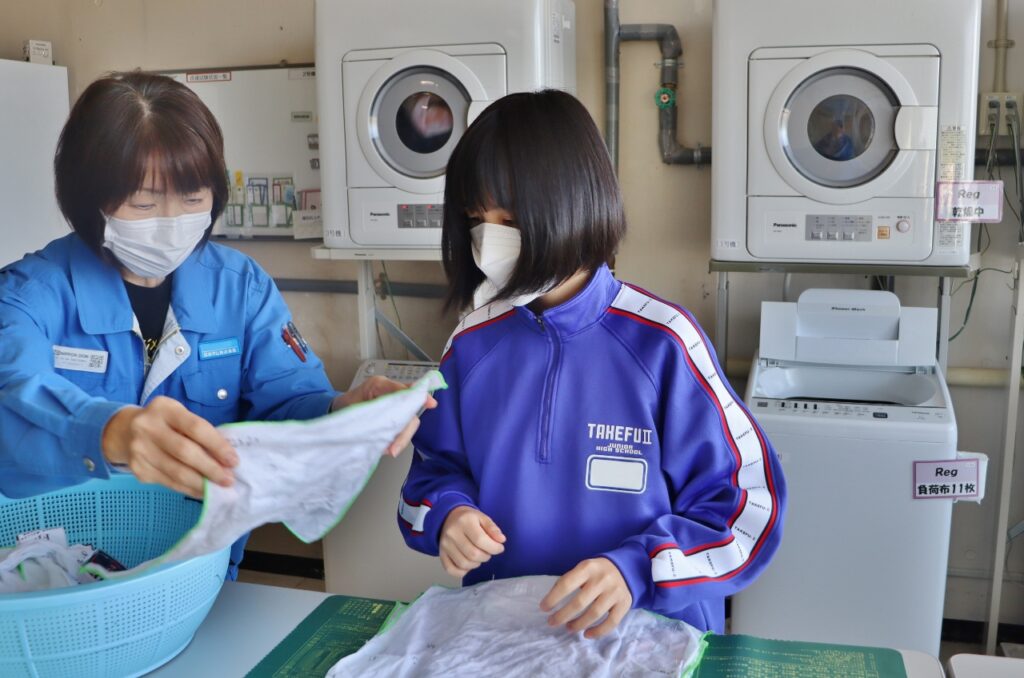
540	321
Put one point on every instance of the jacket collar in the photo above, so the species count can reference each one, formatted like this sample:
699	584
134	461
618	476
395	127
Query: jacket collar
583	310
103	305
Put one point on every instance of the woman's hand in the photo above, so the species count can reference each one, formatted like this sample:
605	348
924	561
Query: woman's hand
468	539
165	443
600	590
375	387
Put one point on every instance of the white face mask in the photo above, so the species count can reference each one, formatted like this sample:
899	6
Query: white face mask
155	247
496	250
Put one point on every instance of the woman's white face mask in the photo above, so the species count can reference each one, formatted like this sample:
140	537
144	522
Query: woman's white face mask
155	247
496	250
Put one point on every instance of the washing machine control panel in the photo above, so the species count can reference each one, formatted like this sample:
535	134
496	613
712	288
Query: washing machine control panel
856	227
420	216
848	410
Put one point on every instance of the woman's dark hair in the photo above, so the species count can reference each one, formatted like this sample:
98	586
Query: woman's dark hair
539	156
121	124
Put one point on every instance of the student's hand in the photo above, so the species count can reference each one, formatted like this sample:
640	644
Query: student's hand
468	539
165	443
375	387
600	590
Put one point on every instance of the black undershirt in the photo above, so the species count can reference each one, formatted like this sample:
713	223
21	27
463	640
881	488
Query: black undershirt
150	307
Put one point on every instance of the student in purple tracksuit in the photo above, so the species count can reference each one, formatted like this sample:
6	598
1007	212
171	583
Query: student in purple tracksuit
588	430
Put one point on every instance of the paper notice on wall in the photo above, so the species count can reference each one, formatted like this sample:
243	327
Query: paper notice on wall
952	153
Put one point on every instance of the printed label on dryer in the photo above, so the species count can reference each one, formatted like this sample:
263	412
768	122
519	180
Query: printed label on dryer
950	236
952	153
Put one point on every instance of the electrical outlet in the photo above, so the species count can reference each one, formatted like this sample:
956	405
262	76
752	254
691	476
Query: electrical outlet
995	102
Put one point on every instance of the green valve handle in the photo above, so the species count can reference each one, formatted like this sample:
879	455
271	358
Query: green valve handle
665	98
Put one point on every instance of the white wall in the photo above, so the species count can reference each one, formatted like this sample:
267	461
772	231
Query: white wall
668	207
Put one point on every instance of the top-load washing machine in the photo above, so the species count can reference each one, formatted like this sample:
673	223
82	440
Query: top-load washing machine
833	121
847	389
398	82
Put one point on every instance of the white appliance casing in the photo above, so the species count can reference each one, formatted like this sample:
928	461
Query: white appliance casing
33	114
490	48
861	562
924	51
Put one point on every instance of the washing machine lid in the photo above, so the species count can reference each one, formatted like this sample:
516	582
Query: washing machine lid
842	384
848	328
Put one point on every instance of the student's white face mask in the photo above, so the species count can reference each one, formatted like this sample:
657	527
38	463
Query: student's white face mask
155	247
496	250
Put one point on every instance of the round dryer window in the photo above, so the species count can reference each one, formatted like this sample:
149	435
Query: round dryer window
417	118
838	127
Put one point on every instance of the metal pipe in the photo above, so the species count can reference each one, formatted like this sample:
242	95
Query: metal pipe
611	80
1009	451
1004	157
321	286
667	38
398	289
672	152
1001	43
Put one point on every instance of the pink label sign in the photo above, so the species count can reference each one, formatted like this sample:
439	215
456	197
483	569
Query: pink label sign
947	479
978	201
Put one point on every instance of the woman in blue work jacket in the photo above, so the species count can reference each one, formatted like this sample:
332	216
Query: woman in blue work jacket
124	343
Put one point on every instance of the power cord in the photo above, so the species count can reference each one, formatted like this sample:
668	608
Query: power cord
970	301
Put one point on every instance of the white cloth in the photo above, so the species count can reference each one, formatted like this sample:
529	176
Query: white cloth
304	474
42	565
497	629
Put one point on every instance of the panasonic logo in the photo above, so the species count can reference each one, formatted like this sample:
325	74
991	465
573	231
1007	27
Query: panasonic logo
380	214
776	224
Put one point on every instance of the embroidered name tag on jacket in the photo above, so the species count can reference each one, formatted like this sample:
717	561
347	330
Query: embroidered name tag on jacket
222	348
79	359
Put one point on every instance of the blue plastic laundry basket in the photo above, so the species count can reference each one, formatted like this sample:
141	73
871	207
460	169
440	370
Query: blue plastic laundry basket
121	627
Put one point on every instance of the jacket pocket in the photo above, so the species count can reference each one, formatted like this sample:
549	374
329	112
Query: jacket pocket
213	392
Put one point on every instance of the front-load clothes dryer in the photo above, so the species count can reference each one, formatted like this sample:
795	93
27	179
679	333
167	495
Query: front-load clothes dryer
847	389
834	122
398	82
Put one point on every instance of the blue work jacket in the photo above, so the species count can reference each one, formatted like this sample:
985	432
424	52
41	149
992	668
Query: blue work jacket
72	355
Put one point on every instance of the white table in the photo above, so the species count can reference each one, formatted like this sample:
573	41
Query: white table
245	624
249	620
984	666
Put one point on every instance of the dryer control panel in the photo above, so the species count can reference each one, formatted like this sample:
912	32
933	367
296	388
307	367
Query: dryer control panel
420	216
879	230
857	227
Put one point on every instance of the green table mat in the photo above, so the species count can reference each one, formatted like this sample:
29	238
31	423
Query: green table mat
339	626
750	657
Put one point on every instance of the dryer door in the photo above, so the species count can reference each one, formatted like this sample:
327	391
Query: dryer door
839	127
415	118
412	112
846	126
